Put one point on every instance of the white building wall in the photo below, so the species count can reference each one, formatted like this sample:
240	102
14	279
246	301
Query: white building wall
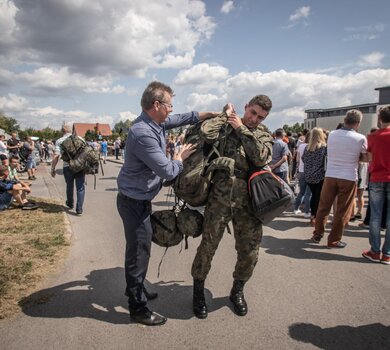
369	121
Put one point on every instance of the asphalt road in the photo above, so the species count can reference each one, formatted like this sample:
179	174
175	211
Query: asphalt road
301	296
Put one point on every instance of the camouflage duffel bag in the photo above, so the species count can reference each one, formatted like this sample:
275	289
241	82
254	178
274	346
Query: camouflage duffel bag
190	222
165	232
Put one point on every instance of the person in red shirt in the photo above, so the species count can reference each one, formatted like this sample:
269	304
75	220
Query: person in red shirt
378	148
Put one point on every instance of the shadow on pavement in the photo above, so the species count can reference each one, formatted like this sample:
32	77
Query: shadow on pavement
283	225
296	248
101	297
108	178
371	336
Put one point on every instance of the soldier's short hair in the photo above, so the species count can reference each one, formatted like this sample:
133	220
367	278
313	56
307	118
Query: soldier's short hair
261	100
154	92
353	117
384	114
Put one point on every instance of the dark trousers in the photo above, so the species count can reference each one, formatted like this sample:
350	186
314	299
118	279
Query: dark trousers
315	197
71	178
135	216
117	153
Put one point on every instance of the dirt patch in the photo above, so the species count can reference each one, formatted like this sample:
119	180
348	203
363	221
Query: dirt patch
32	242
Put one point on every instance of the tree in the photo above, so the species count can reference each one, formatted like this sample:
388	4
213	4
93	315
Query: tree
8	124
91	135
122	127
296	128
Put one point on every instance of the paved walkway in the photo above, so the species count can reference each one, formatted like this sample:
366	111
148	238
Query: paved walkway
301	296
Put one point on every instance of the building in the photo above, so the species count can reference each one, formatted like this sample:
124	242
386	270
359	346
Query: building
329	118
81	129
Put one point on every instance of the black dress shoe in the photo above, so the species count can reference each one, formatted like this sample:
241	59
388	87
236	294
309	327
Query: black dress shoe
147	317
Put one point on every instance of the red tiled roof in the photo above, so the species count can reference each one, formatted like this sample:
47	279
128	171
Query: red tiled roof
80	129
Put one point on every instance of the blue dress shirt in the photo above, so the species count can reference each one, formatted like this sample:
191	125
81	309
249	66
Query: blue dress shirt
146	163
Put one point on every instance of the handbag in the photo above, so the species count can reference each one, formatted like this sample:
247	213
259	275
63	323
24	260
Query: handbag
269	195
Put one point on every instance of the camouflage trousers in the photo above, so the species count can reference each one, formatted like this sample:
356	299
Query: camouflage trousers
248	232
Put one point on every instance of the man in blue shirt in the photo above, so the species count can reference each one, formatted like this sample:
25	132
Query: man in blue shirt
140	180
280	152
103	150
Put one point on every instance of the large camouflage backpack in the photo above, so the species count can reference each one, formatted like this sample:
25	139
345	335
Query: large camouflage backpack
80	155
193	184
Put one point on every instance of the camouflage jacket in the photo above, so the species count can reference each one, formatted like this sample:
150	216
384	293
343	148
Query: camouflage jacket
240	144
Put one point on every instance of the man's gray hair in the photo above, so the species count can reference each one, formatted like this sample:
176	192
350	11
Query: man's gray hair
353	117
67	127
154	92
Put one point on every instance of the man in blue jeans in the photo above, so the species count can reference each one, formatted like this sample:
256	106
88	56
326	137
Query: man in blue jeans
378	148
70	177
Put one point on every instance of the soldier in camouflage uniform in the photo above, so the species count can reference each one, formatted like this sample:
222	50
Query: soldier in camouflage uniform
240	140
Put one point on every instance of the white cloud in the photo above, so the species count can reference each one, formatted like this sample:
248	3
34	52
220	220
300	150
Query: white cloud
293	92
59	81
373	59
302	12
227	7
7	22
104	37
13	103
364	33
127	115
201	74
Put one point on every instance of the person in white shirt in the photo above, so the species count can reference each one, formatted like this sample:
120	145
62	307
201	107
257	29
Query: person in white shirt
3	145
345	148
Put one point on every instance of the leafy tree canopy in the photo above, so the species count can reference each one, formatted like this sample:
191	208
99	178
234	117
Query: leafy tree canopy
8	124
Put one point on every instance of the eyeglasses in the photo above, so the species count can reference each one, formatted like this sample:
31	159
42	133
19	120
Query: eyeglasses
166	104
255	114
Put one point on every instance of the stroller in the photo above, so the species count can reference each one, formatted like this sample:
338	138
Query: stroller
22	154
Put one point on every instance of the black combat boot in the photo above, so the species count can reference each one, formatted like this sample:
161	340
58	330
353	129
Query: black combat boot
237	298
199	301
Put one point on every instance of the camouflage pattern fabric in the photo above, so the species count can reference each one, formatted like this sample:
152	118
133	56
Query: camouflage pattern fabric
165	232
190	222
193	183
229	200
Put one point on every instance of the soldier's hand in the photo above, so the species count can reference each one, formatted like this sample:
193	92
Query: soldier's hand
185	152
234	120
53	173
229	109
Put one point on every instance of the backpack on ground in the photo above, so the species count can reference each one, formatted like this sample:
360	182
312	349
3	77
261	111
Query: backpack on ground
193	184
80	155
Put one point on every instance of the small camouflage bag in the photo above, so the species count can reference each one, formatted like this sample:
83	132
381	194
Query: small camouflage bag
190	222
165	232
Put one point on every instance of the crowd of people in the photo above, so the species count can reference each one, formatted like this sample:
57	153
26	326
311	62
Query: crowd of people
327	170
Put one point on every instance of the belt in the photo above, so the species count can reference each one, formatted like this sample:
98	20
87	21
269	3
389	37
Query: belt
123	196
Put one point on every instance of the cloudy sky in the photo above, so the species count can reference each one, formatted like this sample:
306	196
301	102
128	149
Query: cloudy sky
89	60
